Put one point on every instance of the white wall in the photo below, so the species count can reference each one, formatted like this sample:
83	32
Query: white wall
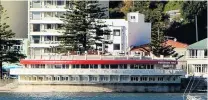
138	33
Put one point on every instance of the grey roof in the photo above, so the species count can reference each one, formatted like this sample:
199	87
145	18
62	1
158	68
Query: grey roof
199	45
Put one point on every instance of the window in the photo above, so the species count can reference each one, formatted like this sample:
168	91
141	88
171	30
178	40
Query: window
36	39
114	66
93	66
123	66
151	79
116	46
205	53
47	50
84	66
48	38
36	4
49	2
58	26
58	66
160	78
48	26
36	15
60	2
57	38
193	53
132	17
104	66
48	14
36	27
116	32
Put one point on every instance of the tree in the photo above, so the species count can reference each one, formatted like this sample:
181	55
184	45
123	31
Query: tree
153	11
158	44
185	31
83	26
127	6
7	53
190	9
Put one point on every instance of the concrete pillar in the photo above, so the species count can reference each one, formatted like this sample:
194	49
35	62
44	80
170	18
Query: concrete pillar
88	78
98	78
129	78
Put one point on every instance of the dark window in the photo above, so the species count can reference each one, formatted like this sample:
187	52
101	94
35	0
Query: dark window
114	66
123	66
116	32
36	27
49	26
84	66
132	17
152	66
36	39
60	2
116	46
205	53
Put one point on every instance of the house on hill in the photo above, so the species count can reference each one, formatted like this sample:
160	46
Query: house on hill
197	59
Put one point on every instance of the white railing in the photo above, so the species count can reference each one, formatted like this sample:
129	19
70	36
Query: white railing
196	57
34	71
54	56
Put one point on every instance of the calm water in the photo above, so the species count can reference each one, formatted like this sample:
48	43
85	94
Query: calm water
93	96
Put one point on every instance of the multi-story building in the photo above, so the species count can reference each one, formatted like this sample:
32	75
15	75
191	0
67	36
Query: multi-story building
44	24
197	59
126	33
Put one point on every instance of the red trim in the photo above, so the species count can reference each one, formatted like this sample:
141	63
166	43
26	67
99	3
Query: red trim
98	62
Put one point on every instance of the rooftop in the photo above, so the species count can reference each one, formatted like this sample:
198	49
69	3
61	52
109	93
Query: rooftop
146	48
199	45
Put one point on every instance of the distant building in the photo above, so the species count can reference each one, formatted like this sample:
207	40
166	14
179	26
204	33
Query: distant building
197	59
174	15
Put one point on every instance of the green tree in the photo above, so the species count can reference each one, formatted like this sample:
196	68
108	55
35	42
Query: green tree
7	53
185	31
173	5
83	27
190	9
154	13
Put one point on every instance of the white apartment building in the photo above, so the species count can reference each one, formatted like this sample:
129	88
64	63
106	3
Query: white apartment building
44	24
197	59
127	33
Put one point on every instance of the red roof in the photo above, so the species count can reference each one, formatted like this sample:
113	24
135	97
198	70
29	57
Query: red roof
98	62
176	44
146	48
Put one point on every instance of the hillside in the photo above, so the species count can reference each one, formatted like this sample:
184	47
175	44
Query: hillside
184	30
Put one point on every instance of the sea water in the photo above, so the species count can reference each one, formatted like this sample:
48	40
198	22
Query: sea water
95	96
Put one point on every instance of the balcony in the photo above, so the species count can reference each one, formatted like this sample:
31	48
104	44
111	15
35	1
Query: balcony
45	32
51	20
45	43
25	71
50	8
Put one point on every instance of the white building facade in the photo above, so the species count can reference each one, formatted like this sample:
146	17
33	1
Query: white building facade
44	24
197	59
44	28
127	33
